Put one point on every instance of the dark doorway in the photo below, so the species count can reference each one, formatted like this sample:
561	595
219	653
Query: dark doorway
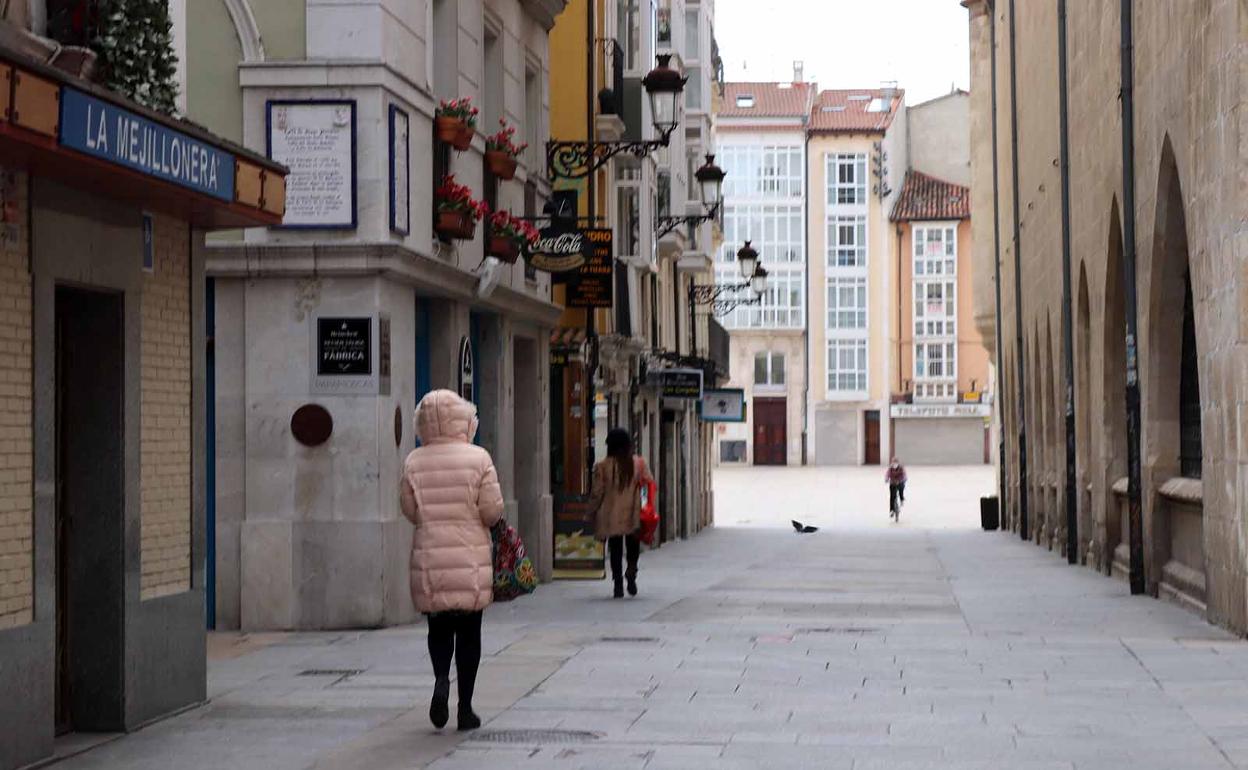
90	474
871	439
770	431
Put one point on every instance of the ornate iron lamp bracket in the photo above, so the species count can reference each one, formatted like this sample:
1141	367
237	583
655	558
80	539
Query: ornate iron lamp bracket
666	225
577	160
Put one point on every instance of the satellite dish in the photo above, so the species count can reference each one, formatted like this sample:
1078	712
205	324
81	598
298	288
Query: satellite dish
487	276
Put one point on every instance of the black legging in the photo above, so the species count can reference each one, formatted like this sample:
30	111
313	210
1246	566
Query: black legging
458	634
616	547
896	490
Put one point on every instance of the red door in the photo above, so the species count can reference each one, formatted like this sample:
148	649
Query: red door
770	431
872	438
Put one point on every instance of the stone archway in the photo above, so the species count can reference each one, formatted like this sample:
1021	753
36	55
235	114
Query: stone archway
1113	420
1083	416
1171	408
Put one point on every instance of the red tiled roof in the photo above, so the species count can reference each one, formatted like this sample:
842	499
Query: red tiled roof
771	100
847	111
925	197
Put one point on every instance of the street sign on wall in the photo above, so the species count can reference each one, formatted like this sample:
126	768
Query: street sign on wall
723	405
593	284
679	383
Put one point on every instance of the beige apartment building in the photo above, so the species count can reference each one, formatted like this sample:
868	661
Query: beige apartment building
856	145
1168	189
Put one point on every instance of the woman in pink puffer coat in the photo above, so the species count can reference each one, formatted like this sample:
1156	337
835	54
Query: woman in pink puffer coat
450	492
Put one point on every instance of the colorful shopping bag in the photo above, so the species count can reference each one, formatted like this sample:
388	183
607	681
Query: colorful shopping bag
514	574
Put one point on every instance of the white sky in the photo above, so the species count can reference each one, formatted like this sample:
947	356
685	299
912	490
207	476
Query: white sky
922	44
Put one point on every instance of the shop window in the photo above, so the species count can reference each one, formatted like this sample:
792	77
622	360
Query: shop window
732	451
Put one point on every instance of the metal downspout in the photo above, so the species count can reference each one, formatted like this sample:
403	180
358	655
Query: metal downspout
996	265
1068	344
1023	524
1134	518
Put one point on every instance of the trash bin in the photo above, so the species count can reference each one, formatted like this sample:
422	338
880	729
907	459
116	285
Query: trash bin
989	513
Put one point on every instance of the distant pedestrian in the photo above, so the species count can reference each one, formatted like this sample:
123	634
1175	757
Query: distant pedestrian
450	492
615	499
896	478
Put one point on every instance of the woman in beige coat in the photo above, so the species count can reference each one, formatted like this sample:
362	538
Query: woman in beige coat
449	491
615	499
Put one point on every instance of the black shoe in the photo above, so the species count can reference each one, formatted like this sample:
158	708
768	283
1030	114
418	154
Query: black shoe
619	589
632	582
439	708
468	720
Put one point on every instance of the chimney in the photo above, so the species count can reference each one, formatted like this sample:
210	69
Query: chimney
799	74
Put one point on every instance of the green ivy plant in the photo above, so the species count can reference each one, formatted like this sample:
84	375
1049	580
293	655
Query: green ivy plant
134	41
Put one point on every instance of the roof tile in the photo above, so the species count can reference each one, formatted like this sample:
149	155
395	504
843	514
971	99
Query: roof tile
849	111
771	100
925	198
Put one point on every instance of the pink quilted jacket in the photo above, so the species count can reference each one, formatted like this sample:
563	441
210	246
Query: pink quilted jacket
450	492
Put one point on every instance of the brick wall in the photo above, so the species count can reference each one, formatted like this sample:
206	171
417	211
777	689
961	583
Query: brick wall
166	414
16	523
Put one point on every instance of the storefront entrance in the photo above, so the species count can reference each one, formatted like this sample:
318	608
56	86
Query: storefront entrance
770	431
90	500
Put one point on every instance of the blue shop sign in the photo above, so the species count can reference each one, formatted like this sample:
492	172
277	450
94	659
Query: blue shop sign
104	130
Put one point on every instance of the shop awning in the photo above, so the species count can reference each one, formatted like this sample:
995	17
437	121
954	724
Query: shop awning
59	126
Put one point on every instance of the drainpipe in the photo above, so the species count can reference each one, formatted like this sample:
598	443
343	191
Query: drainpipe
1023	528
996	261
806	290
1068	343
900	346
1134	520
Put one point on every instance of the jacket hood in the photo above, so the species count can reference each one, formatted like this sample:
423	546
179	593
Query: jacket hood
443	416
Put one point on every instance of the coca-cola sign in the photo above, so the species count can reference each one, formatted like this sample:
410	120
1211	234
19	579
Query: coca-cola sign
559	250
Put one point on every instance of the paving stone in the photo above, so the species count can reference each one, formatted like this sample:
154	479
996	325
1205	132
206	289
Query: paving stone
931	645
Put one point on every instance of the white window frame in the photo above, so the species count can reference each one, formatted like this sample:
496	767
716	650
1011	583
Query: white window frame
762	224
772	312
855	189
771	383
770	171
852	316
935	272
860	387
858	225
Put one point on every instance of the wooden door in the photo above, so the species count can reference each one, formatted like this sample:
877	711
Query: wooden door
872	442
770	431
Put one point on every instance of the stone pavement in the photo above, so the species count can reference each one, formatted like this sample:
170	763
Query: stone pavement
923	644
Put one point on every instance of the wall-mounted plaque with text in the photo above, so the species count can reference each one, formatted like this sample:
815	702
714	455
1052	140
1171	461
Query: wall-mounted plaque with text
316	140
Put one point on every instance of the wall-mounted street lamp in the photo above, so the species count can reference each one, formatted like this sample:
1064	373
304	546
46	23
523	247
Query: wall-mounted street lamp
755	280
711	187
576	160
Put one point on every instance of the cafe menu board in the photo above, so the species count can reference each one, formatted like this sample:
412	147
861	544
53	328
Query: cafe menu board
316	141
593	285
578	553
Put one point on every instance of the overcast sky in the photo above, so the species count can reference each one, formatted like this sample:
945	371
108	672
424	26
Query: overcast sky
922	44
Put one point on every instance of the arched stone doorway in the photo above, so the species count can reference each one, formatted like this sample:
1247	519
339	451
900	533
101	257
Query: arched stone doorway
1172	405
1113	484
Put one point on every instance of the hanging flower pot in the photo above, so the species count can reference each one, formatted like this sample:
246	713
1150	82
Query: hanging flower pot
463	139
500	164
504	248
501	151
447	129
455	123
458	225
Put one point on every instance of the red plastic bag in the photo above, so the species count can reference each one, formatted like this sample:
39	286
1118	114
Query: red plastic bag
649	516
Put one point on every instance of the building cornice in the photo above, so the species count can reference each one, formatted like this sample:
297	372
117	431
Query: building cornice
390	260
545	11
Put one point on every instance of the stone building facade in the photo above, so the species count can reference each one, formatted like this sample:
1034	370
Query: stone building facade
309	535
1189	239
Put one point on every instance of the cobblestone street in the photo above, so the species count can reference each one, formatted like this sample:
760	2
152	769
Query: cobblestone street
927	643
